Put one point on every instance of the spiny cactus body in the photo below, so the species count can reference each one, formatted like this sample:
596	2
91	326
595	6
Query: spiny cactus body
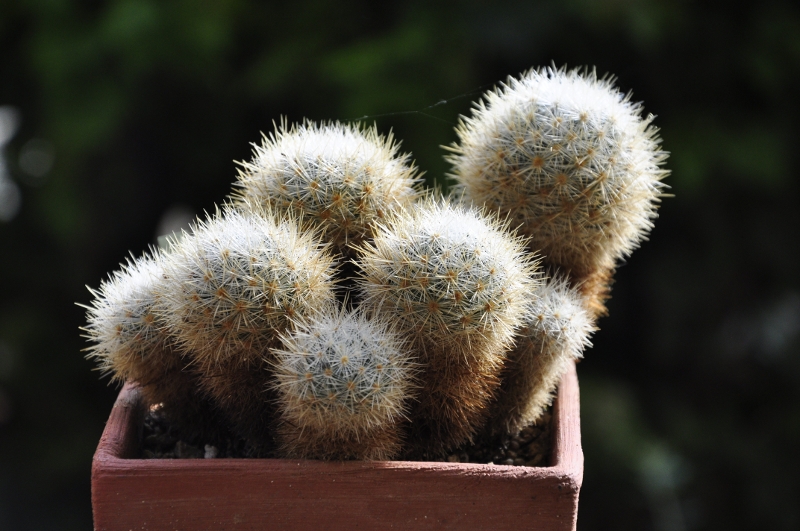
572	162
131	344
555	333
235	284
344	384
341	178
458	284
128	341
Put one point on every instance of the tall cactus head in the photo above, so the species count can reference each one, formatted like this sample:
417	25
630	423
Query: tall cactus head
343	382
456	282
570	159
554	335
340	178
240	279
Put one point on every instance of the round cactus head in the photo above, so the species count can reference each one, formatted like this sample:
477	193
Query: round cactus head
569	159
239	280
340	370
343	383
340	178
448	272
129	339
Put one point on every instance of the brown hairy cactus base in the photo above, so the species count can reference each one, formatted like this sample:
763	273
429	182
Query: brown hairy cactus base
596	289
453	400
177	389
241	394
368	445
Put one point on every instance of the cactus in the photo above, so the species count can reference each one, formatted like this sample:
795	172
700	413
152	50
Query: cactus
234	284
458	284
451	328
572	162
130	343
341	178
343	383
555	333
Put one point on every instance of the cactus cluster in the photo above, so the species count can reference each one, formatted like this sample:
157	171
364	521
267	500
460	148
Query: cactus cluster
332	310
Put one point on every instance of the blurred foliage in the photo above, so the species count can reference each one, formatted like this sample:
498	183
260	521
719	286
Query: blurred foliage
691	417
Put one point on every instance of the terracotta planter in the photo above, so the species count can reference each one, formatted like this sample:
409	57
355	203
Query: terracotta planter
237	494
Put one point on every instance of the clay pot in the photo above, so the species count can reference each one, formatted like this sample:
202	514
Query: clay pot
259	494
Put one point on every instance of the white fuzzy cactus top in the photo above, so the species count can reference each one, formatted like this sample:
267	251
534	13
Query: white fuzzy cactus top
569	158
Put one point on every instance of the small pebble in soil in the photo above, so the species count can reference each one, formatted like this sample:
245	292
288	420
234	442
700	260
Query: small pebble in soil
211	452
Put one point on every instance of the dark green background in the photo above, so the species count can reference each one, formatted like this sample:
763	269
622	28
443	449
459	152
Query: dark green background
690	408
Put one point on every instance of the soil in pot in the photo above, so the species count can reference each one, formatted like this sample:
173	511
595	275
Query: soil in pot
529	447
